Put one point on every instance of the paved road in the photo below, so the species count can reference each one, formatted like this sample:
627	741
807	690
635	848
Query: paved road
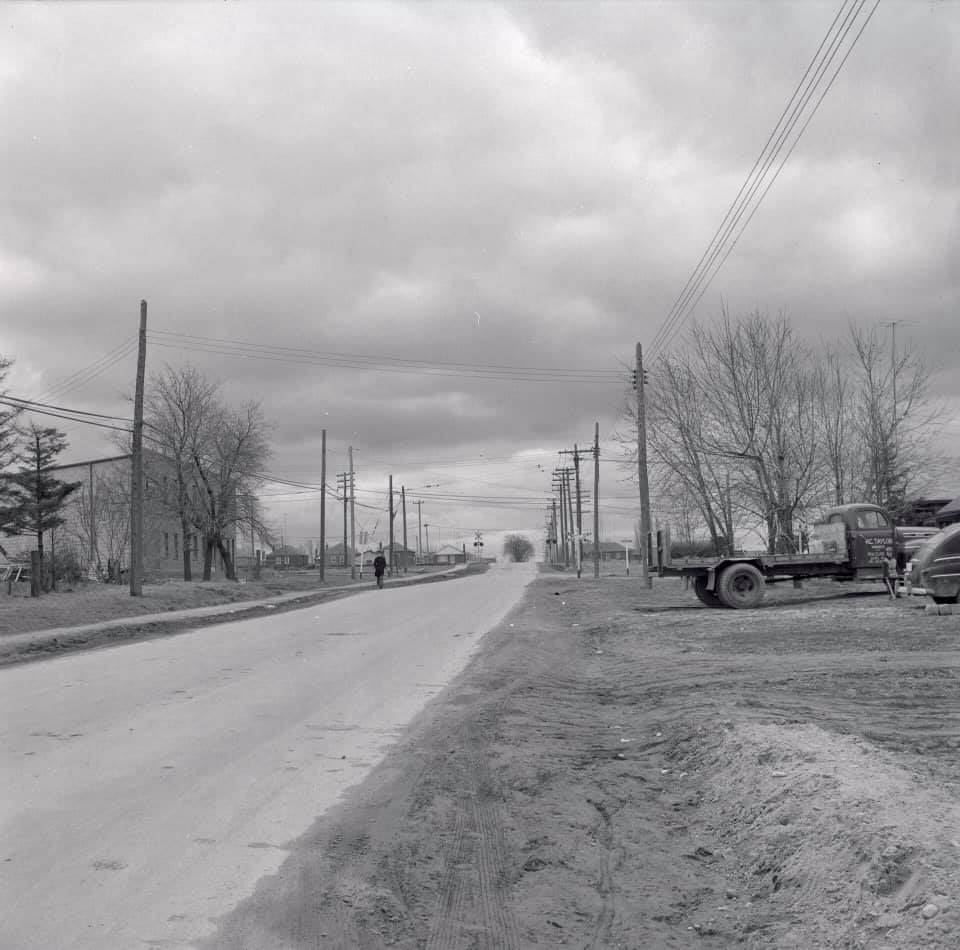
147	787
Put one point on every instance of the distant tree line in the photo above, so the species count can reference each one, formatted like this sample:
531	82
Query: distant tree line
751	428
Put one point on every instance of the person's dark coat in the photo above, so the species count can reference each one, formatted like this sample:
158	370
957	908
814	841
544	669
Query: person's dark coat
379	565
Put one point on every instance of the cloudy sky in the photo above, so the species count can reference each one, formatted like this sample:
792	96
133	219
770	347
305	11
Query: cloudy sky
439	230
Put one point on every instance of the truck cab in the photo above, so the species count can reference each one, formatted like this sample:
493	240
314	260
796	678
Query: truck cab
864	531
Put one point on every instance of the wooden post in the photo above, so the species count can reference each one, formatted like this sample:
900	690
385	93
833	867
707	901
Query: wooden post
136	476
642	470
323	504
403	505
579	542
35	565
390	514
93	523
596	500
353	520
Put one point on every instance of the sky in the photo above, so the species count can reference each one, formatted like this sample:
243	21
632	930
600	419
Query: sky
438	230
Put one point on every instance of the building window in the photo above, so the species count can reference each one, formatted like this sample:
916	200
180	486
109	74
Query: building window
176	545
166	544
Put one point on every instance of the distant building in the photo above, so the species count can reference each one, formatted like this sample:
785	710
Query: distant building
96	527
287	558
402	557
609	551
448	554
336	558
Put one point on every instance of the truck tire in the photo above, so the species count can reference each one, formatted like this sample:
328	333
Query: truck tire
740	586
707	597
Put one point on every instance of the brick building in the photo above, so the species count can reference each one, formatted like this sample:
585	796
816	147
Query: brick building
97	521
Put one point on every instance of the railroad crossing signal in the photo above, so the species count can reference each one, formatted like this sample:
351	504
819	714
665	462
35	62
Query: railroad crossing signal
478	541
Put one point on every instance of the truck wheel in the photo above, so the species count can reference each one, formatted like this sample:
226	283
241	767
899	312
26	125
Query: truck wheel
740	585
708	597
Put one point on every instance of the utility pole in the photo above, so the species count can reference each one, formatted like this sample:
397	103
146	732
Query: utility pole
428	537
561	477
576	470
419	505
342	482
596	500
570	522
353	520
93	522
403	505
553	522
391	512
136	477
578	543
639	382
323	503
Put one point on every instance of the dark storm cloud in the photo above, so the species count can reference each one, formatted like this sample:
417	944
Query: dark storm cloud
508	184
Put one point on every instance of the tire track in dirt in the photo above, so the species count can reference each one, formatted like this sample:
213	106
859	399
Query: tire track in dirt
471	905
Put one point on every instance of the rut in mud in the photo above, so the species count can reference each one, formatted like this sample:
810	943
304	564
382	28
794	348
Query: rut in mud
624	768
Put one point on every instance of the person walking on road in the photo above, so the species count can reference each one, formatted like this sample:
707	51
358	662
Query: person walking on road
379	566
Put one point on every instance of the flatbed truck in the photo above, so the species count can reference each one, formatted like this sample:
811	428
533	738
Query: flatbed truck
850	543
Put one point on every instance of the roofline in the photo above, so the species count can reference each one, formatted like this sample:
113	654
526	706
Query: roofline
112	458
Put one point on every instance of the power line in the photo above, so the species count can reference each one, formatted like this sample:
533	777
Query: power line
298	355
698	283
31	405
60	415
90	372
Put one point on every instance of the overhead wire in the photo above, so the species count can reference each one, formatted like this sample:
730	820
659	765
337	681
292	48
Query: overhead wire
384	364
90	372
698	283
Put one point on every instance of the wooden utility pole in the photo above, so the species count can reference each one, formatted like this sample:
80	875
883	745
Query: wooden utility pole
353	519
403	507
642	472
561	477
342	479
136	476
570	521
392	514
419	505
596	500
553	522
576	471
323	503
93	523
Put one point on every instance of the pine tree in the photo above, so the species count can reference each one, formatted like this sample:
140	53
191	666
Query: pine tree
9	435
35	497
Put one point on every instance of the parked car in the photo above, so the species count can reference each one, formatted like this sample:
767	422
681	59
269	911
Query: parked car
936	566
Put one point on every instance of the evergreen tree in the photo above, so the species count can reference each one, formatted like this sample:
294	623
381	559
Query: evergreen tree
9	435
35	497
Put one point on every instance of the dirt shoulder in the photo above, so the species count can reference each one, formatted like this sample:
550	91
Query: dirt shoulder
99	615
621	768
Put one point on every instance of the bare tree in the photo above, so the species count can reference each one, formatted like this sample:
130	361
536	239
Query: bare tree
839	432
733	418
896	418
228	458
518	547
102	524
180	407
